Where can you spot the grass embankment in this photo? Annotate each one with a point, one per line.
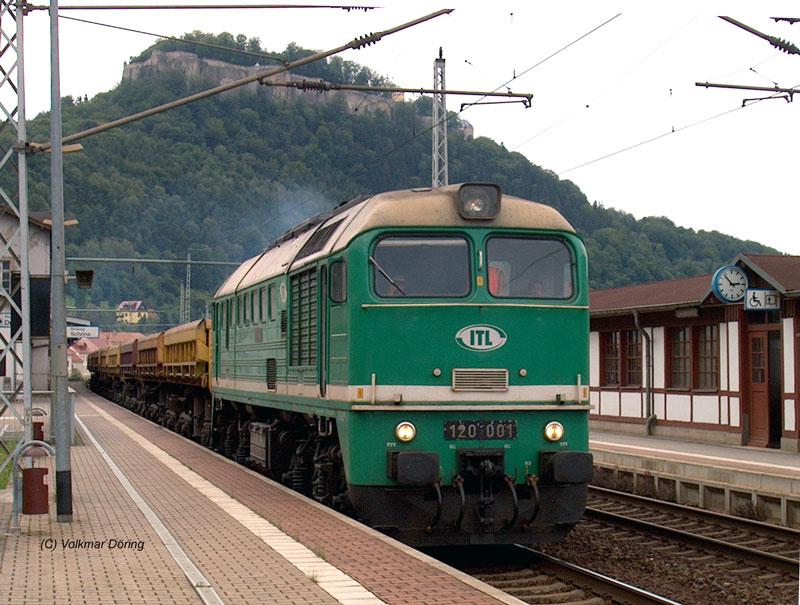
(5, 475)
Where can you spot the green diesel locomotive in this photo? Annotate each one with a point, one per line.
(419, 357)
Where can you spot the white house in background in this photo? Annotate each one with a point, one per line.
(720, 372)
(39, 231)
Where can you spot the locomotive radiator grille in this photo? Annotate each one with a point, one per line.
(480, 379)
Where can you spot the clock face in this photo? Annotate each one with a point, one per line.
(730, 283)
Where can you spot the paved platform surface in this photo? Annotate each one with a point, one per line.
(159, 519)
(771, 461)
(762, 460)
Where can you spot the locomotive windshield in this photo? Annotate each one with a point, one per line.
(421, 266)
(529, 268)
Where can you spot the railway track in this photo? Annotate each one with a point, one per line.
(759, 544)
(537, 578)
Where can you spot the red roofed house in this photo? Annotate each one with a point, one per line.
(134, 312)
(80, 349)
(724, 372)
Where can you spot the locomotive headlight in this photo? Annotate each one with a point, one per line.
(405, 432)
(554, 431)
(479, 201)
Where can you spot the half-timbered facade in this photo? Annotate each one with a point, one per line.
(671, 358)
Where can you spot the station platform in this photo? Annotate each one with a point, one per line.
(160, 519)
(751, 482)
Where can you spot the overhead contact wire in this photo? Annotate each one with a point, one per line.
(357, 43)
(346, 7)
(664, 134)
(181, 40)
(516, 77)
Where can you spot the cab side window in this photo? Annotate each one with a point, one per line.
(338, 279)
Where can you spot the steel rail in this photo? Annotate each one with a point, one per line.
(780, 532)
(752, 555)
(620, 592)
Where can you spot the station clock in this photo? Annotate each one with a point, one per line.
(729, 283)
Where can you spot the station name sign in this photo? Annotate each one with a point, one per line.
(762, 300)
(83, 332)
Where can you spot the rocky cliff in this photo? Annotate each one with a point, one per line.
(216, 72)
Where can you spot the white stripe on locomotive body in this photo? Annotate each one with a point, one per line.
(484, 305)
(362, 394)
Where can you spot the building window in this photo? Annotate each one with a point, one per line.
(708, 357)
(680, 358)
(633, 358)
(611, 358)
(694, 357)
(621, 358)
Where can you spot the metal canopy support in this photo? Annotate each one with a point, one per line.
(14, 249)
(439, 153)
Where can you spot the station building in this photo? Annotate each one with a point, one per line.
(39, 265)
(39, 234)
(672, 359)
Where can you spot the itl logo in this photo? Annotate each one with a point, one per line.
(481, 338)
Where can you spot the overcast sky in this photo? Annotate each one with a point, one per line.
(630, 81)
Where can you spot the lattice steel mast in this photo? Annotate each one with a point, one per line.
(187, 309)
(439, 152)
(14, 160)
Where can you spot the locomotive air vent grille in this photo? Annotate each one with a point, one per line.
(272, 373)
(480, 379)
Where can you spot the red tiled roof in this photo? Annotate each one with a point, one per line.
(783, 271)
(131, 305)
(85, 345)
(674, 292)
(40, 219)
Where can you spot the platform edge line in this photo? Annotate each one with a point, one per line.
(196, 578)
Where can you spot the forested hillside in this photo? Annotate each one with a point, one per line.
(223, 177)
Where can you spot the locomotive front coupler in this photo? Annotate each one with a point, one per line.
(484, 467)
(488, 471)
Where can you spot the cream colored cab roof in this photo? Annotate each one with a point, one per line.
(406, 208)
